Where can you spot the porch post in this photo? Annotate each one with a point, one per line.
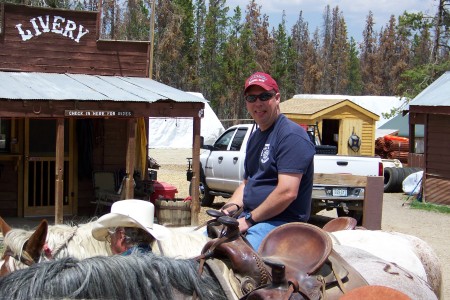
(59, 171)
(131, 153)
(195, 208)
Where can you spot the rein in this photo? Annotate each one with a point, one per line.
(58, 248)
(24, 257)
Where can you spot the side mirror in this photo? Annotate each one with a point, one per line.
(203, 146)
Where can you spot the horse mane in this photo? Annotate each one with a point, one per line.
(137, 276)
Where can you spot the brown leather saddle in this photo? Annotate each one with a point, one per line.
(340, 223)
(310, 266)
(294, 261)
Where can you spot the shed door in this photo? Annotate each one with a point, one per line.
(349, 127)
(39, 168)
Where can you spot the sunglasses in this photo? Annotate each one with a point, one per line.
(263, 97)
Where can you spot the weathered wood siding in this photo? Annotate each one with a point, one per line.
(437, 183)
(8, 184)
(62, 41)
(416, 160)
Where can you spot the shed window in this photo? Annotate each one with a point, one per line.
(5, 134)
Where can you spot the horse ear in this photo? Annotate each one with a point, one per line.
(4, 227)
(35, 244)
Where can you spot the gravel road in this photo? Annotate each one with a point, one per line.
(434, 228)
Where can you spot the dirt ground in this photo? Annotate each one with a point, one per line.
(396, 216)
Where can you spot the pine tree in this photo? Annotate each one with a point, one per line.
(370, 71)
(279, 64)
(326, 51)
(199, 33)
(313, 66)
(339, 55)
(216, 24)
(354, 86)
(298, 58)
(167, 43)
(260, 41)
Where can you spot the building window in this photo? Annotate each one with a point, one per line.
(5, 134)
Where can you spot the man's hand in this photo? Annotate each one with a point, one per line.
(244, 225)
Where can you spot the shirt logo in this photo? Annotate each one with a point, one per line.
(265, 153)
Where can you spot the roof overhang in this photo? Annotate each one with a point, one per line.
(25, 94)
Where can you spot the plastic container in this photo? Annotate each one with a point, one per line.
(163, 190)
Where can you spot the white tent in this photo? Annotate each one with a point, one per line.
(177, 132)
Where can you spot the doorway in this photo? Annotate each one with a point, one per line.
(330, 132)
(39, 168)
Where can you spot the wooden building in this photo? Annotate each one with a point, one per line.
(71, 104)
(337, 120)
(431, 108)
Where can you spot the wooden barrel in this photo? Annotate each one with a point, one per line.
(173, 212)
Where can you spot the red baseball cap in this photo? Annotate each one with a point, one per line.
(263, 80)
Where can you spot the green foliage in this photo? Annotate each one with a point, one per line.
(444, 209)
(416, 80)
(354, 86)
(200, 46)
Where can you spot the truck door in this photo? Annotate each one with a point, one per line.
(234, 165)
(215, 163)
(224, 164)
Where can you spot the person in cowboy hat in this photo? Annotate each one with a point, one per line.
(129, 227)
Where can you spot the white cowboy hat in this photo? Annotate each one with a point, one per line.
(130, 213)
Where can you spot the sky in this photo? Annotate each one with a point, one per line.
(354, 11)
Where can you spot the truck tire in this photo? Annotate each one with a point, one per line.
(390, 180)
(205, 198)
(393, 178)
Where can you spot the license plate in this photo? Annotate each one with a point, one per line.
(339, 192)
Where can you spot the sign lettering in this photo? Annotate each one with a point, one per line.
(55, 24)
(97, 113)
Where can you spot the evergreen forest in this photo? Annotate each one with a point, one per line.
(211, 48)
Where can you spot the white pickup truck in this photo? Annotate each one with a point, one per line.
(222, 170)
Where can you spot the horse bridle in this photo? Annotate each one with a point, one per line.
(25, 258)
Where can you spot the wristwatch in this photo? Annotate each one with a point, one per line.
(248, 217)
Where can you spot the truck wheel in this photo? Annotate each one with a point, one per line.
(205, 198)
(356, 214)
(390, 180)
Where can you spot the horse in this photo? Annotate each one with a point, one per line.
(63, 240)
(158, 277)
(413, 254)
(408, 251)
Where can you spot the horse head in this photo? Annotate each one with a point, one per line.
(29, 252)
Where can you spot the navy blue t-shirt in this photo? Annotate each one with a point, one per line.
(283, 148)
